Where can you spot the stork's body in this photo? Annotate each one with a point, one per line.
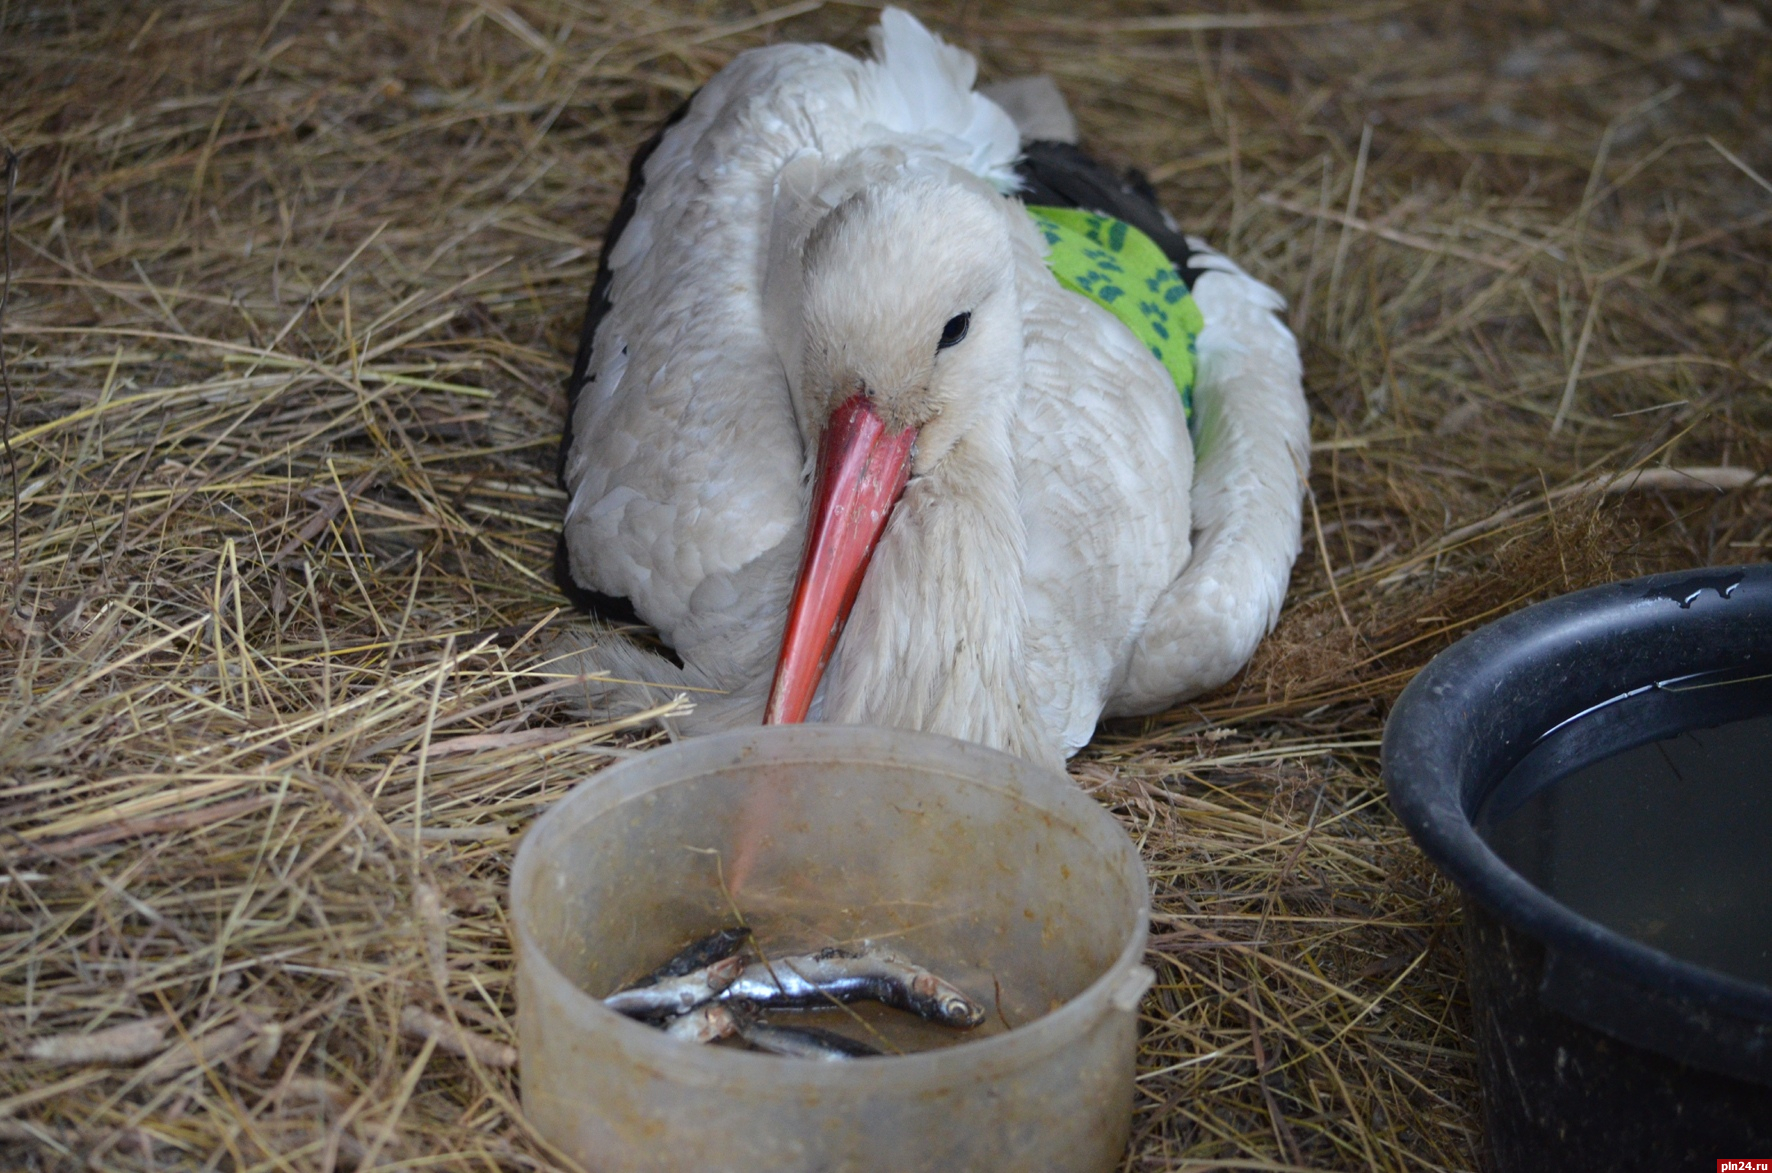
(806, 241)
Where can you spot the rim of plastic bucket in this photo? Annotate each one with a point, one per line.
(1473, 713)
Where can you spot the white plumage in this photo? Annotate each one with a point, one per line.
(804, 236)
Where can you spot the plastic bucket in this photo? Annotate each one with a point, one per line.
(995, 873)
(1595, 1050)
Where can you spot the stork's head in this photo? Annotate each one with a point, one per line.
(911, 335)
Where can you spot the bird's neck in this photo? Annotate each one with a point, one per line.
(936, 637)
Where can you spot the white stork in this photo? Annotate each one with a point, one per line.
(841, 437)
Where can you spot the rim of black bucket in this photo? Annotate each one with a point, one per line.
(1476, 710)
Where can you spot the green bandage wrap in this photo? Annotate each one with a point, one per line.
(1122, 270)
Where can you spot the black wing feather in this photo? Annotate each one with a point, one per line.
(610, 608)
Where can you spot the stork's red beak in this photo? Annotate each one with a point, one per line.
(862, 470)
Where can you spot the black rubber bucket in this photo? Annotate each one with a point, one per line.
(1596, 1050)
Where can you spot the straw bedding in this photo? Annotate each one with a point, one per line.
(293, 287)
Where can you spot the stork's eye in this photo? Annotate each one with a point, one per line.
(954, 331)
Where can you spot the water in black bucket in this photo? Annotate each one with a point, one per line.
(1595, 772)
(1668, 842)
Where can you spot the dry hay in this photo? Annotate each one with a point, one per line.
(294, 289)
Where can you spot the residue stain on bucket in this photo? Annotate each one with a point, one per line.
(1666, 843)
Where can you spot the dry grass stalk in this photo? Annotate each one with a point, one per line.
(293, 289)
(422, 1025)
(123, 1043)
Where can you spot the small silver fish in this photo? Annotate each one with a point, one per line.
(841, 976)
(698, 954)
(678, 995)
(803, 1042)
(707, 1023)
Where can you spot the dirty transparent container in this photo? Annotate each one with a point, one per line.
(997, 874)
